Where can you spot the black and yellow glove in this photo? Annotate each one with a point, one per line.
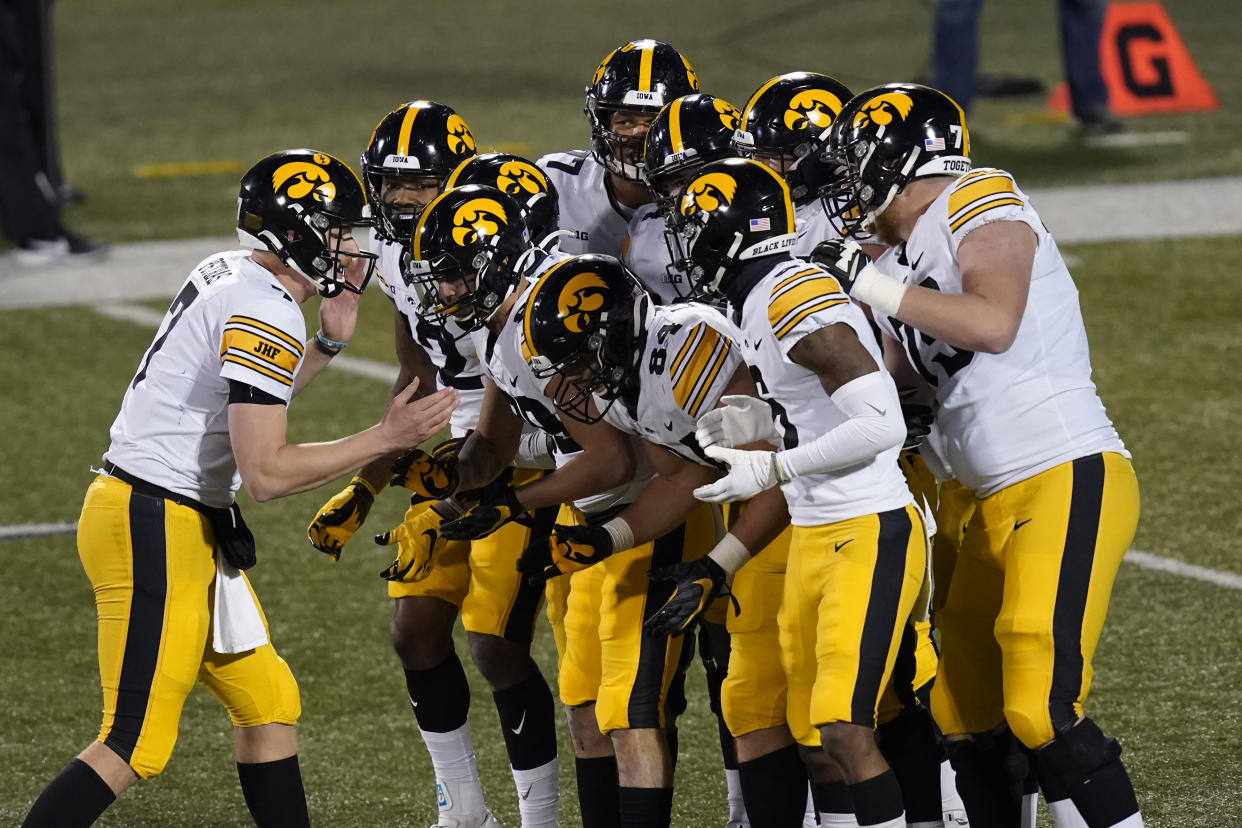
(695, 585)
(418, 540)
(566, 549)
(340, 517)
(428, 476)
(496, 508)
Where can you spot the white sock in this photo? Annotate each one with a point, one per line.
(738, 817)
(1065, 814)
(841, 820)
(808, 819)
(539, 795)
(458, 790)
(951, 804)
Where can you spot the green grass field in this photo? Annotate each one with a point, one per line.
(145, 82)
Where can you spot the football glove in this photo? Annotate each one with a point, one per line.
(739, 421)
(750, 472)
(497, 508)
(566, 549)
(695, 586)
(340, 517)
(428, 476)
(919, 418)
(417, 539)
(843, 260)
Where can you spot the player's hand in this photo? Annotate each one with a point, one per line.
(568, 549)
(497, 508)
(843, 260)
(695, 586)
(739, 421)
(429, 476)
(417, 539)
(918, 416)
(340, 517)
(750, 472)
(408, 421)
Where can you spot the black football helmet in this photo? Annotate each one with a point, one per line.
(419, 139)
(518, 178)
(472, 237)
(642, 76)
(888, 136)
(689, 132)
(584, 330)
(732, 211)
(300, 204)
(785, 121)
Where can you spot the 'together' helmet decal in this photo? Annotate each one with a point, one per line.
(582, 296)
(884, 109)
(460, 141)
(707, 193)
(480, 216)
(298, 179)
(813, 108)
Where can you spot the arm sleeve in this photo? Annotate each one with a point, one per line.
(874, 425)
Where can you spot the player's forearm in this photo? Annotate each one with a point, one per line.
(764, 517)
(664, 503)
(290, 469)
(963, 320)
(313, 362)
(583, 476)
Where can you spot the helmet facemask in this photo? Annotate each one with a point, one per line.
(487, 282)
(621, 155)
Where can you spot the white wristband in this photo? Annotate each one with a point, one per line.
(729, 553)
(621, 533)
(880, 291)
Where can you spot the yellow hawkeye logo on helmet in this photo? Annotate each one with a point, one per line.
(517, 176)
(708, 193)
(813, 108)
(729, 116)
(460, 141)
(477, 217)
(298, 179)
(582, 296)
(881, 109)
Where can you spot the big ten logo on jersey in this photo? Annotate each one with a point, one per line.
(212, 270)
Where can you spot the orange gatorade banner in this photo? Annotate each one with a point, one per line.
(1145, 65)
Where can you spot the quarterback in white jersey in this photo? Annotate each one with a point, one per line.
(159, 536)
(979, 301)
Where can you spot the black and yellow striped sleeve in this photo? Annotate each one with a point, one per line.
(979, 194)
(701, 363)
(260, 348)
(796, 297)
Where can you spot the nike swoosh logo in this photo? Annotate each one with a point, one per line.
(837, 548)
(915, 264)
(517, 731)
(669, 425)
(881, 411)
(1019, 524)
(526, 795)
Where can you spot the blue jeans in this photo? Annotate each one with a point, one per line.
(955, 51)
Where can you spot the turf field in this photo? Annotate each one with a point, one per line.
(149, 83)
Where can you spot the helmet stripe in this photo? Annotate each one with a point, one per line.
(755, 98)
(674, 126)
(526, 316)
(644, 67)
(416, 252)
(407, 126)
(789, 214)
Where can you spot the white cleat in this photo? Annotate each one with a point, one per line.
(488, 820)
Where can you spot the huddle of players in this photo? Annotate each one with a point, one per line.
(601, 416)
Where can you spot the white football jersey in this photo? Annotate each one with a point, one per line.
(593, 221)
(792, 299)
(813, 227)
(647, 254)
(690, 355)
(447, 346)
(231, 320)
(506, 366)
(1003, 417)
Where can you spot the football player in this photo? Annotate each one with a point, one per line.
(782, 125)
(498, 613)
(816, 361)
(601, 189)
(455, 228)
(160, 534)
(976, 296)
(686, 134)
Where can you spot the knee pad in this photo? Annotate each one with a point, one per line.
(1076, 753)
